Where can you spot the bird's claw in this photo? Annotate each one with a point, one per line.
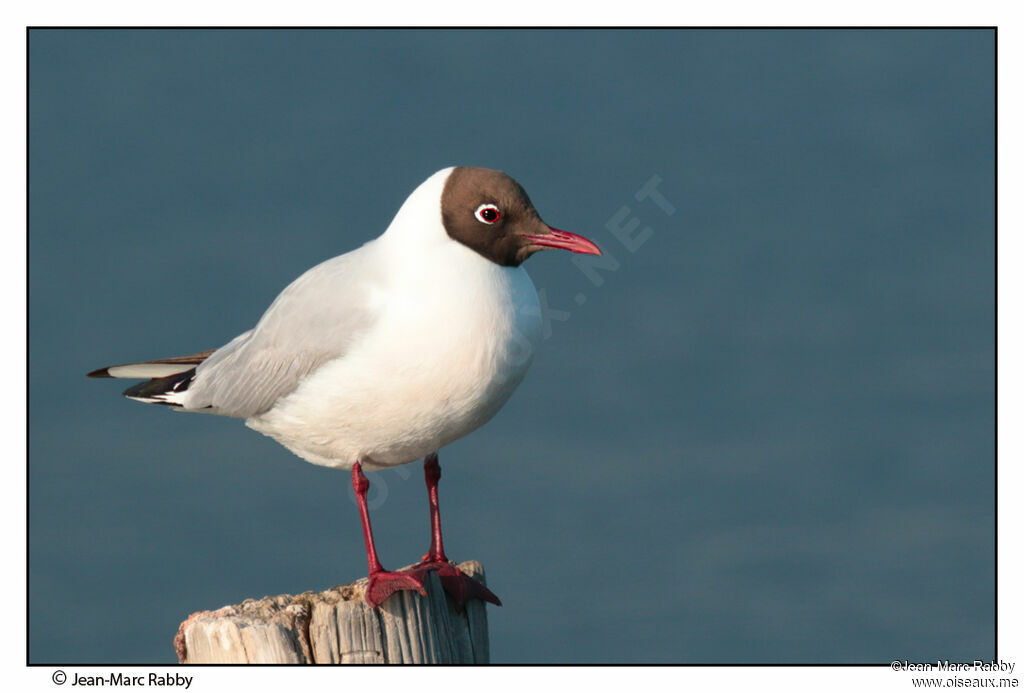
(383, 584)
(459, 586)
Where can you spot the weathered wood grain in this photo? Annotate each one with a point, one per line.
(337, 627)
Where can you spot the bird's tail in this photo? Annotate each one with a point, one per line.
(166, 379)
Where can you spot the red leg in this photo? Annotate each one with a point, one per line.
(432, 474)
(382, 583)
(456, 583)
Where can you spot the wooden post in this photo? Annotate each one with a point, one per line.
(336, 626)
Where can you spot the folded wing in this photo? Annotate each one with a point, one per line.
(314, 320)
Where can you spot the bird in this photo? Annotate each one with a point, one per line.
(385, 354)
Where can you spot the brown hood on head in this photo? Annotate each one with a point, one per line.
(490, 213)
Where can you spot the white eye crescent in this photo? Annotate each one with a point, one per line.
(487, 213)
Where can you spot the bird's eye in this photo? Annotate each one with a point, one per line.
(487, 213)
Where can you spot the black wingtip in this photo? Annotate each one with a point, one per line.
(178, 382)
(99, 373)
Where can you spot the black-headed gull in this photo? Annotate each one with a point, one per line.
(387, 353)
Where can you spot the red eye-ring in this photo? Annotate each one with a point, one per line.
(487, 213)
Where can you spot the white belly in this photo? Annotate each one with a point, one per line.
(439, 364)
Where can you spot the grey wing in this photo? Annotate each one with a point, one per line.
(313, 321)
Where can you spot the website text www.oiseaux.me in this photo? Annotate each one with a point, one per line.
(967, 674)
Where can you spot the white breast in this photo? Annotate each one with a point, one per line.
(454, 338)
